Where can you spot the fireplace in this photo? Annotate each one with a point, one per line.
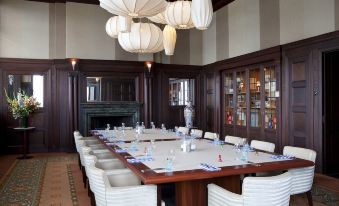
(95, 115)
(100, 122)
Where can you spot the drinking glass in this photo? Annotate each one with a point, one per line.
(169, 160)
(216, 138)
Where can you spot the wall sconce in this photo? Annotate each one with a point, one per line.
(148, 64)
(73, 62)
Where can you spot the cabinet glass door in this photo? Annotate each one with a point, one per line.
(270, 98)
(255, 98)
(228, 90)
(241, 98)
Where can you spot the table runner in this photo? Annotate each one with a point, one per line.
(206, 152)
(130, 135)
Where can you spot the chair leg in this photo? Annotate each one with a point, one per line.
(88, 189)
(309, 198)
(92, 199)
(79, 161)
(83, 176)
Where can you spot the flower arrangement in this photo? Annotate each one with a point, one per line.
(22, 105)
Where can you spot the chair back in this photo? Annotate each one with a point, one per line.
(81, 144)
(261, 145)
(234, 140)
(209, 135)
(267, 191)
(302, 153)
(98, 181)
(197, 133)
(183, 130)
(302, 178)
(77, 136)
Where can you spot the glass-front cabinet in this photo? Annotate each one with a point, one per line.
(270, 98)
(251, 101)
(229, 95)
(241, 98)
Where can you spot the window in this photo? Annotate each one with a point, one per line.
(181, 91)
(32, 85)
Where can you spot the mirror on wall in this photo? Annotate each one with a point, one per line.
(181, 91)
(32, 85)
(110, 89)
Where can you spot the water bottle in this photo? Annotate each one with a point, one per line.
(244, 153)
(142, 127)
(163, 128)
(152, 125)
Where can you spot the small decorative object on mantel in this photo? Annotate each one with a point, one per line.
(22, 106)
(189, 114)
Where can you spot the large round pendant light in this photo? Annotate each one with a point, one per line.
(170, 38)
(178, 14)
(112, 27)
(202, 13)
(143, 38)
(159, 18)
(134, 8)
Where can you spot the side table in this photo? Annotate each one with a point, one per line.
(25, 131)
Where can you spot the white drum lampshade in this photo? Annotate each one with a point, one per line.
(202, 13)
(134, 8)
(143, 38)
(159, 18)
(170, 38)
(178, 14)
(124, 23)
(112, 27)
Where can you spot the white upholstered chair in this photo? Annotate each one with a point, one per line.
(302, 178)
(183, 130)
(105, 164)
(197, 133)
(261, 145)
(120, 187)
(234, 140)
(256, 191)
(99, 150)
(209, 135)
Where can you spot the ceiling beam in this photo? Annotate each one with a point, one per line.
(217, 4)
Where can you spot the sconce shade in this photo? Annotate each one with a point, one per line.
(134, 8)
(202, 13)
(112, 27)
(178, 14)
(170, 38)
(143, 38)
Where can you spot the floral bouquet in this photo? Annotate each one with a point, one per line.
(22, 106)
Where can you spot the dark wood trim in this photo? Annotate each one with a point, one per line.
(217, 4)
(266, 55)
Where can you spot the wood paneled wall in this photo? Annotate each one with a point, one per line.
(174, 115)
(65, 90)
(300, 85)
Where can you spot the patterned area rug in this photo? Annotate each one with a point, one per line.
(47, 179)
(23, 184)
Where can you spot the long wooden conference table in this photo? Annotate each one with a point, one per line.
(189, 178)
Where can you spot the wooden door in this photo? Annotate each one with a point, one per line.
(297, 95)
